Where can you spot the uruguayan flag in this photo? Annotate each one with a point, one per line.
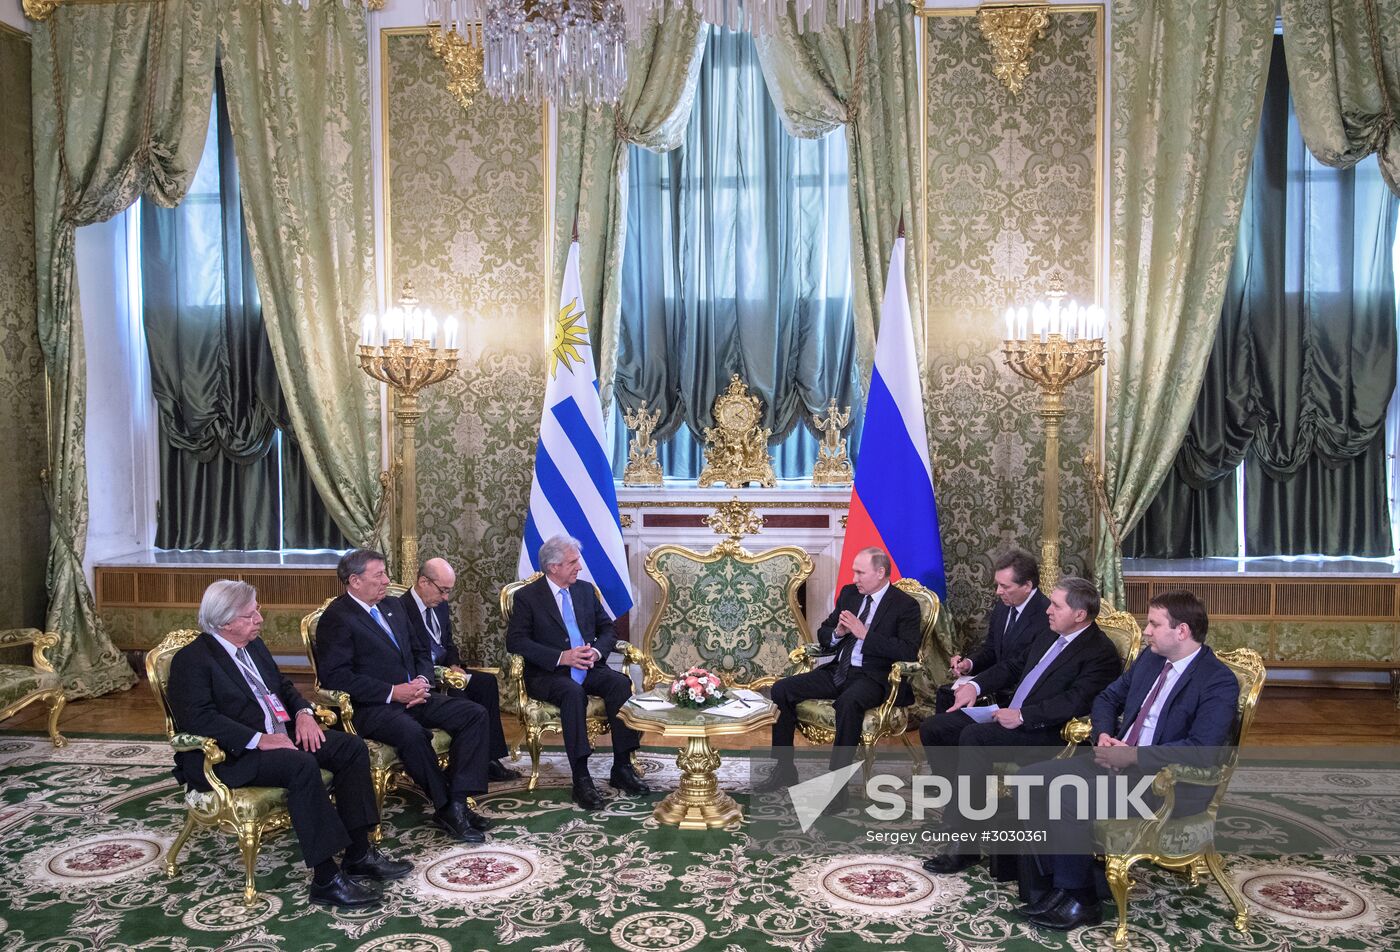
(572, 493)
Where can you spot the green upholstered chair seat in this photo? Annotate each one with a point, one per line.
(542, 713)
(384, 757)
(248, 801)
(729, 612)
(18, 681)
(823, 714)
(1179, 836)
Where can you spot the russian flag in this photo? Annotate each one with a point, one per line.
(892, 504)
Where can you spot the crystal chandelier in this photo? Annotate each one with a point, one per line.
(575, 51)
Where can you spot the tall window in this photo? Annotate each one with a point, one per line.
(231, 474)
(1286, 452)
(737, 261)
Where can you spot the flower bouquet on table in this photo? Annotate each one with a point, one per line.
(698, 688)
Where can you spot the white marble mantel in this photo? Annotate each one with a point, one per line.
(795, 514)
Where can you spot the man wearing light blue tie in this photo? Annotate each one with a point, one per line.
(365, 648)
(559, 627)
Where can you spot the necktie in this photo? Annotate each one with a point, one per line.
(434, 634)
(1134, 732)
(1027, 684)
(843, 661)
(250, 674)
(1012, 617)
(566, 608)
(374, 613)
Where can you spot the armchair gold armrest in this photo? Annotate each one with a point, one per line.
(340, 700)
(41, 641)
(803, 656)
(1075, 732)
(213, 756)
(899, 670)
(453, 679)
(324, 715)
(631, 653)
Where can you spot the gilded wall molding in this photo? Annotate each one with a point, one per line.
(461, 60)
(1012, 30)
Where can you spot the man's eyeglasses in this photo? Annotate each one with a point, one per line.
(444, 592)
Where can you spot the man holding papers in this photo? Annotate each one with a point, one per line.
(1055, 681)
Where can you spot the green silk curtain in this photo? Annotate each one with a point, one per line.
(1344, 61)
(864, 77)
(298, 97)
(1182, 140)
(121, 105)
(1302, 370)
(736, 262)
(592, 161)
(213, 377)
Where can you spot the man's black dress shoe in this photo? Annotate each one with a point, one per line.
(1043, 903)
(497, 772)
(475, 820)
(375, 865)
(586, 795)
(780, 777)
(453, 818)
(1069, 914)
(946, 863)
(344, 892)
(624, 777)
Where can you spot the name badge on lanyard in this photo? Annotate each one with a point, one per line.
(278, 710)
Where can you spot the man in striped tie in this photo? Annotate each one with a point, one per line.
(1175, 704)
(558, 625)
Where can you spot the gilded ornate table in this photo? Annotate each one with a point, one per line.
(697, 803)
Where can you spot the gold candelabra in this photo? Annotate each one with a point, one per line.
(406, 349)
(1053, 345)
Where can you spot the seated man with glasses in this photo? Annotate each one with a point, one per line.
(430, 619)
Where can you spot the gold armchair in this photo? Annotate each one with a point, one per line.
(385, 768)
(817, 719)
(21, 685)
(1184, 844)
(249, 813)
(733, 613)
(538, 717)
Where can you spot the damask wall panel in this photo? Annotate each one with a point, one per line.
(466, 215)
(24, 517)
(1012, 186)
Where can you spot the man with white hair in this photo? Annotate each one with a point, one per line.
(225, 685)
(559, 627)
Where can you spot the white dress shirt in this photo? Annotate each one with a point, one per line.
(1149, 722)
(858, 652)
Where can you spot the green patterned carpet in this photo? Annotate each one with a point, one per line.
(84, 830)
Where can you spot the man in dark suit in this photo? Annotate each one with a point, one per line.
(430, 619)
(559, 626)
(1176, 703)
(872, 626)
(1013, 625)
(225, 685)
(1054, 681)
(364, 646)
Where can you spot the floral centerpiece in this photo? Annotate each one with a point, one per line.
(698, 688)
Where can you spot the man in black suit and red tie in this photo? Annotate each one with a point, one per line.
(225, 685)
(430, 618)
(364, 646)
(559, 626)
(1053, 682)
(1013, 625)
(1177, 703)
(872, 626)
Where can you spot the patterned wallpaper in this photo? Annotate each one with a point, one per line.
(1011, 198)
(467, 215)
(24, 520)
